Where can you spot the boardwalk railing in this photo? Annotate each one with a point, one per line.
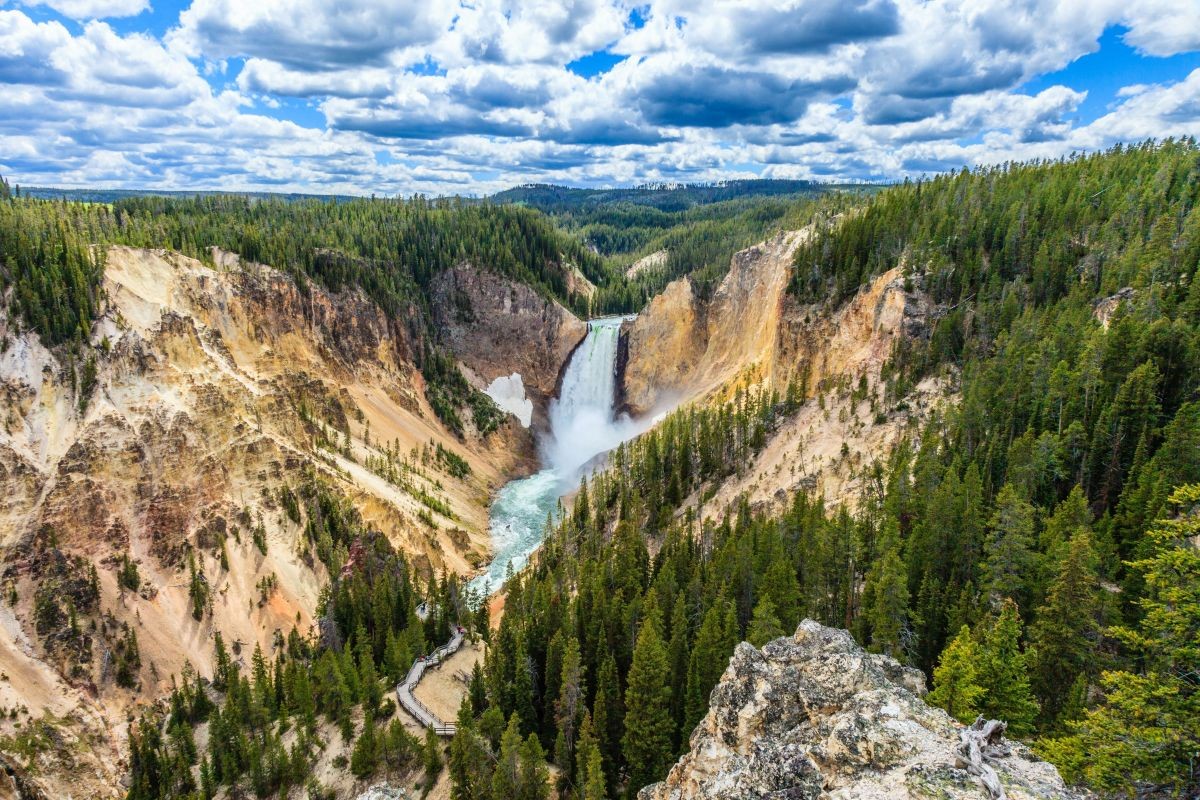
(404, 691)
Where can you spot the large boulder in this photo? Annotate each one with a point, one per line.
(814, 715)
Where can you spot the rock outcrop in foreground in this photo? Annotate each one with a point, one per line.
(814, 715)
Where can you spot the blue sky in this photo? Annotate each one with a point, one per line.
(406, 96)
(1111, 67)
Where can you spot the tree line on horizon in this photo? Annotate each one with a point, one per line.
(52, 256)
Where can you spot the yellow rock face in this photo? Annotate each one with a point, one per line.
(215, 389)
(752, 333)
(682, 347)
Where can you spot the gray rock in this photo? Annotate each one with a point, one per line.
(815, 715)
(383, 791)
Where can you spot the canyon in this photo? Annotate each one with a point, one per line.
(222, 383)
(220, 389)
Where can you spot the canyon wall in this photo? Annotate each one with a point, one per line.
(752, 333)
(496, 327)
(683, 346)
(210, 395)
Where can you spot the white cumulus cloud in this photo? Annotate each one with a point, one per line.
(94, 9)
(443, 95)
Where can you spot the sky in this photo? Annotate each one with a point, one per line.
(406, 96)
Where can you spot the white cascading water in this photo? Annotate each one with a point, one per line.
(582, 425)
(581, 417)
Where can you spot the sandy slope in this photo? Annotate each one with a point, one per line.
(194, 427)
(443, 687)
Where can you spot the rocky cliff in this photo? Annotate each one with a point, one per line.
(752, 333)
(209, 394)
(814, 715)
(834, 358)
(496, 327)
(683, 346)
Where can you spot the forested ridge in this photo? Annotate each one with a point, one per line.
(1031, 549)
(391, 249)
(52, 259)
(554, 199)
(698, 242)
(697, 229)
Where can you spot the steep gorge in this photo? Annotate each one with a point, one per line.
(752, 333)
(216, 392)
(220, 388)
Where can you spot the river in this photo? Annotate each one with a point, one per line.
(583, 424)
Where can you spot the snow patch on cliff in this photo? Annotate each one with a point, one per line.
(508, 392)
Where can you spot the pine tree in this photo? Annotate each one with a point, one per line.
(677, 658)
(886, 600)
(364, 758)
(955, 682)
(127, 575)
(372, 692)
(593, 786)
(534, 776)
(764, 625)
(710, 656)
(647, 740)
(608, 721)
(1067, 628)
(1144, 731)
(197, 588)
(432, 758)
(523, 689)
(263, 687)
(583, 749)
(780, 584)
(302, 704)
(507, 776)
(1003, 674)
(569, 707)
(208, 788)
(477, 690)
(1010, 561)
(468, 760)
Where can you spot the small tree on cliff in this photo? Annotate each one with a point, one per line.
(955, 681)
(647, 741)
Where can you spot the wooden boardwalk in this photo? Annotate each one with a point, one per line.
(404, 690)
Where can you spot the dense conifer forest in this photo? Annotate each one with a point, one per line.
(558, 200)
(1029, 549)
(392, 249)
(52, 259)
(698, 228)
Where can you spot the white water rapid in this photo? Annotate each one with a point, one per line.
(582, 425)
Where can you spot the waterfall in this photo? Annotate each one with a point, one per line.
(583, 424)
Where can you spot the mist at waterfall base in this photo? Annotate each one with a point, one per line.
(582, 426)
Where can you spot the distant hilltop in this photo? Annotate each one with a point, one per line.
(551, 198)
